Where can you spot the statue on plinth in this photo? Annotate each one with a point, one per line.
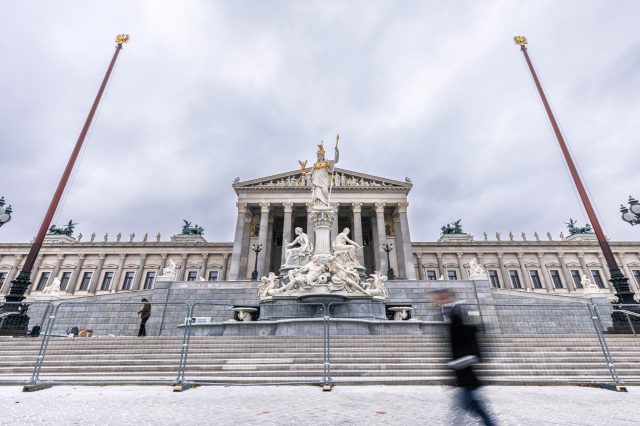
(53, 288)
(344, 249)
(476, 271)
(296, 256)
(320, 176)
(170, 270)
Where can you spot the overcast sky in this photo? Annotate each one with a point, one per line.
(207, 91)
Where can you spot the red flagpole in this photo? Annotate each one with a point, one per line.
(619, 281)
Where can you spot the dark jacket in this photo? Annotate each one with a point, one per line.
(463, 343)
(145, 312)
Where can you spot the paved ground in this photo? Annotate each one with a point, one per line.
(287, 405)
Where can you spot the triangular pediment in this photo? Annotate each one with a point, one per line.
(343, 180)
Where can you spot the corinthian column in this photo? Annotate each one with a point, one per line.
(236, 252)
(96, 275)
(406, 241)
(310, 234)
(357, 230)
(382, 238)
(286, 229)
(262, 236)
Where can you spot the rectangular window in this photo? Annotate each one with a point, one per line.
(64, 282)
(636, 275)
(515, 279)
(106, 281)
(555, 277)
(128, 280)
(192, 276)
(148, 280)
(213, 275)
(452, 275)
(494, 278)
(431, 275)
(575, 275)
(44, 277)
(535, 279)
(86, 279)
(3, 276)
(597, 278)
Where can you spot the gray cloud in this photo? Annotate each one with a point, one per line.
(207, 91)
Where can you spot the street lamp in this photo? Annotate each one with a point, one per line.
(5, 212)
(257, 248)
(632, 213)
(388, 247)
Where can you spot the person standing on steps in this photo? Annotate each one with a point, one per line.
(145, 313)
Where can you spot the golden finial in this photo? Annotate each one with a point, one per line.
(337, 137)
(303, 166)
(520, 40)
(121, 39)
(320, 149)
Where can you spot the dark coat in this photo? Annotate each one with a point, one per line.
(145, 312)
(464, 342)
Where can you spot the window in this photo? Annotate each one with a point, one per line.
(555, 277)
(106, 281)
(148, 280)
(213, 275)
(128, 280)
(192, 276)
(576, 278)
(515, 279)
(597, 278)
(44, 277)
(452, 275)
(3, 276)
(431, 275)
(535, 279)
(636, 275)
(66, 276)
(493, 277)
(86, 279)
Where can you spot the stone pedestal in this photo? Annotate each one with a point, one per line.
(354, 307)
(456, 238)
(187, 239)
(322, 218)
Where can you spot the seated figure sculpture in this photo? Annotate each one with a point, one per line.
(312, 273)
(344, 249)
(269, 285)
(344, 277)
(296, 256)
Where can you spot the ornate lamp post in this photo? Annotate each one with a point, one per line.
(5, 212)
(618, 280)
(257, 248)
(632, 213)
(17, 321)
(387, 248)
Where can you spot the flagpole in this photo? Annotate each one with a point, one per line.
(618, 280)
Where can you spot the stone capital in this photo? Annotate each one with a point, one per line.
(580, 254)
(459, 254)
(520, 255)
(163, 255)
(242, 207)
(264, 207)
(540, 254)
(101, 256)
(80, 256)
(184, 256)
(309, 206)
(205, 255)
(560, 254)
(402, 206)
(225, 256)
(356, 207)
(379, 207)
(500, 254)
(621, 254)
(19, 256)
(123, 256)
(60, 256)
(288, 207)
(335, 206)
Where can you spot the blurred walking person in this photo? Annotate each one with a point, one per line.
(145, 313)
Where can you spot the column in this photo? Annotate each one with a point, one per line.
(262, 237)
(420, 268)
(93, 286)
(334, 225)
(526, 278)
(399, 248)
(375, 240)
(245, 268)
(115, 284)
(268, 247)
(357, 230)
(223, 272)
(236, 252)
(504, 272)
(627, 271)
(382, 238)
(406, 240)
(203, 268)
(310, 233)
(56, 269)
(607, 274)
(545, 277)
(34, 272)
(163, 263)
(463, 271)
(12, 273)
(583, 265)
(137, 281)
(440, 266)
(567, 276)
(183, 268)
(286, 230)
(76, 275)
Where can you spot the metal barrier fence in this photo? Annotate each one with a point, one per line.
(321, 342)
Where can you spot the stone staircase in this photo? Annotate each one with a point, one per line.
(509, 359)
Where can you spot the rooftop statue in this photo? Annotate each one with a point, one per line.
(67, 230)
(453, 228)
(320, 175)
(574, 230)
(187, 229)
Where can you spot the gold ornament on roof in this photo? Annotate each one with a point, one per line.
(303, 166)
(121, 39)
(520, 40)
(320, 149)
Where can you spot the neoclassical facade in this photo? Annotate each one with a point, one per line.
(375, 210)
